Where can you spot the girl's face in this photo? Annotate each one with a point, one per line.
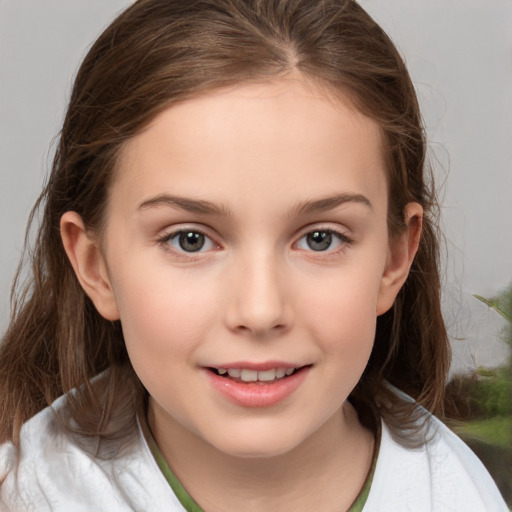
(246, 239)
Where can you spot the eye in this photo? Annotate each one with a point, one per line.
(321, 240)
(189, 241)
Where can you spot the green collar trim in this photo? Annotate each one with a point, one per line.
(183, 496)
(191, 506)
(360, 501)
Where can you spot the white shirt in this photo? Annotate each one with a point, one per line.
(56, 475)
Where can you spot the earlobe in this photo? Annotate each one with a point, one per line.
(402, 250)
(84, 253)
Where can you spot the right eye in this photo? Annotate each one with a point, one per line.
(188, 241)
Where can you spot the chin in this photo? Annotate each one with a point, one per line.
(258, 442)
(251, 450)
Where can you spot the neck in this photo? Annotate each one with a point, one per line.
(325, 472)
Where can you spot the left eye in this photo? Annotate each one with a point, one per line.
(321, 240)
(189, 241)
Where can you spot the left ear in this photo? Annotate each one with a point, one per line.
(401, 252)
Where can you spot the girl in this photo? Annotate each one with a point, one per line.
(235, 289)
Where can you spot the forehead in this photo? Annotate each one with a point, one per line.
(243, 139)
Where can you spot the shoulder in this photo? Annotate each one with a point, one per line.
(441, 475)
(54, 472)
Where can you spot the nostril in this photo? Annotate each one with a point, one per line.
(262, 331)
(259, 314)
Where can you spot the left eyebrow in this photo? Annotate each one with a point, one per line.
(329, 203)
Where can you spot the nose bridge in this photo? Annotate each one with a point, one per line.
(260, 302)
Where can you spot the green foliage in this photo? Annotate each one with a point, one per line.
(498, 303)
(490, 390)
(494, 431)
(481, 394)
(502, 304)
(480, 406)
(493, 394)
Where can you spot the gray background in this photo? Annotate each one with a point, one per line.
(459, 55)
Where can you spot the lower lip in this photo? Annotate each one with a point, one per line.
(255, 394)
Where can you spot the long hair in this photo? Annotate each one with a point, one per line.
(161, 52)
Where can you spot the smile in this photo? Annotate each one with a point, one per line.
(255, 387)
(249, 375)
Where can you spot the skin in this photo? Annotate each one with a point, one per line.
(256, 291)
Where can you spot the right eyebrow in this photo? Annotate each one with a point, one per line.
(184, 203)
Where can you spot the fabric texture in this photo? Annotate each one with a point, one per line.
(56, 474)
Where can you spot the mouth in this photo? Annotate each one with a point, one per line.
(256, 385)
(247, 375)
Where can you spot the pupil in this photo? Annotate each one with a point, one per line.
(191, 242)
(319, 240)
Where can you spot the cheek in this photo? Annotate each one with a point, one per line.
(344, 326)
(160, 314)
(342, 313)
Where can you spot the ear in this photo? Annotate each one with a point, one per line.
(401, 252)
(88, 262)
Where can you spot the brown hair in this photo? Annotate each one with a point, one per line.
(157, 53)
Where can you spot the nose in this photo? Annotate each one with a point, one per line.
(259, 303)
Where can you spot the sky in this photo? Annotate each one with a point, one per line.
(459, 54)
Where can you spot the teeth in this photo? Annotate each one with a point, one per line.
(267, 375)
(247, 375)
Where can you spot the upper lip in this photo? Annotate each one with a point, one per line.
(256, 366)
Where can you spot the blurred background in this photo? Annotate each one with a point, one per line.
(460, 58)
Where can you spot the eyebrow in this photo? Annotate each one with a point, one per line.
(329, 203)
(208, 208)
(184, 203)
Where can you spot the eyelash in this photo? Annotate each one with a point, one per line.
(343, 240)
(164, 241)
